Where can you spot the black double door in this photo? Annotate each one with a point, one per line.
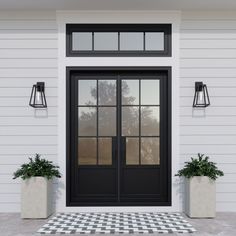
(118, 125)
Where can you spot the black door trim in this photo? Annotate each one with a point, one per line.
(69, 163)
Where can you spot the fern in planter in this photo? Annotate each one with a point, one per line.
(37, 167)
(200, 166)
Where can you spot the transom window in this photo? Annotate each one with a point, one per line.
(118, 40)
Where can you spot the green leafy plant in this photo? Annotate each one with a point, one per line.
(37, 167)
(200, 166)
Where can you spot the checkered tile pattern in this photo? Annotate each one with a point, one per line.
(116, 223)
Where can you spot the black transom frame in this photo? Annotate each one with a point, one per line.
(164, 28)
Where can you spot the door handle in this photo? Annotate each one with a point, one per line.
(114, 149)
(123, 149)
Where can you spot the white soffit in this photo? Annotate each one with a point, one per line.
(118, 5)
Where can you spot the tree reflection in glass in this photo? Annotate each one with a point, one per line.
(106, 92)
(86, 96)
(130, 121)
(87, 121)
(149, 121)
(107, 121)
(105, 95)
(150, 151)
(130, 92)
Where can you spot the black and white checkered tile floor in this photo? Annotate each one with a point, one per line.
(115, 223)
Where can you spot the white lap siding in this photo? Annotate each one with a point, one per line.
(208, 53)
(28, 53)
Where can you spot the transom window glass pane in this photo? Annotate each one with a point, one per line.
(131, 41)
(150, 92)
(154, 41)
(87, 121)
(130, 92)
(107, 92)
(106, 41)
(82, 41)
(87, 92)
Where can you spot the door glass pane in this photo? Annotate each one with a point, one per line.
(150, 121)
(107, 92)
(130, 92)
(130, 121)
(107, 121)
(87, 121)
(150, 151)
(82, 41)
(154, 41)
(87, 151)
(132, 151)
(105, 151)
(106, 41)
(150, 92)
(87, 92)
(131, 41)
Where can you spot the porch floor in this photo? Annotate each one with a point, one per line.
(224, 225)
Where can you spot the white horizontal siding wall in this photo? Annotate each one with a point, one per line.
(28, 53)
(208, 53)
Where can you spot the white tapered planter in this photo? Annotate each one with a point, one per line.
(200, 195)
(36, 198)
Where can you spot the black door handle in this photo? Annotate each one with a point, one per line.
(123, 150)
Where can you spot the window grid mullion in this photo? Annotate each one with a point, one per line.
(118, 41)
(97, 122)
(139, 121)
(144, 41)
(93, 41)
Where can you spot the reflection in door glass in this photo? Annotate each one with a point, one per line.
(130, 92)
(105, 151)
(106, 92)
(87, 92)
(150, 121)
(150, 92)
(87, 151)
(87, 121)
(107, 121)
(130, 121)
(132, 151)
(150, 151)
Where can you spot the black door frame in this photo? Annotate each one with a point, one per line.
(69, 199)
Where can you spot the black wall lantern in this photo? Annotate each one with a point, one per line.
(37, 98)
(201, 97)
